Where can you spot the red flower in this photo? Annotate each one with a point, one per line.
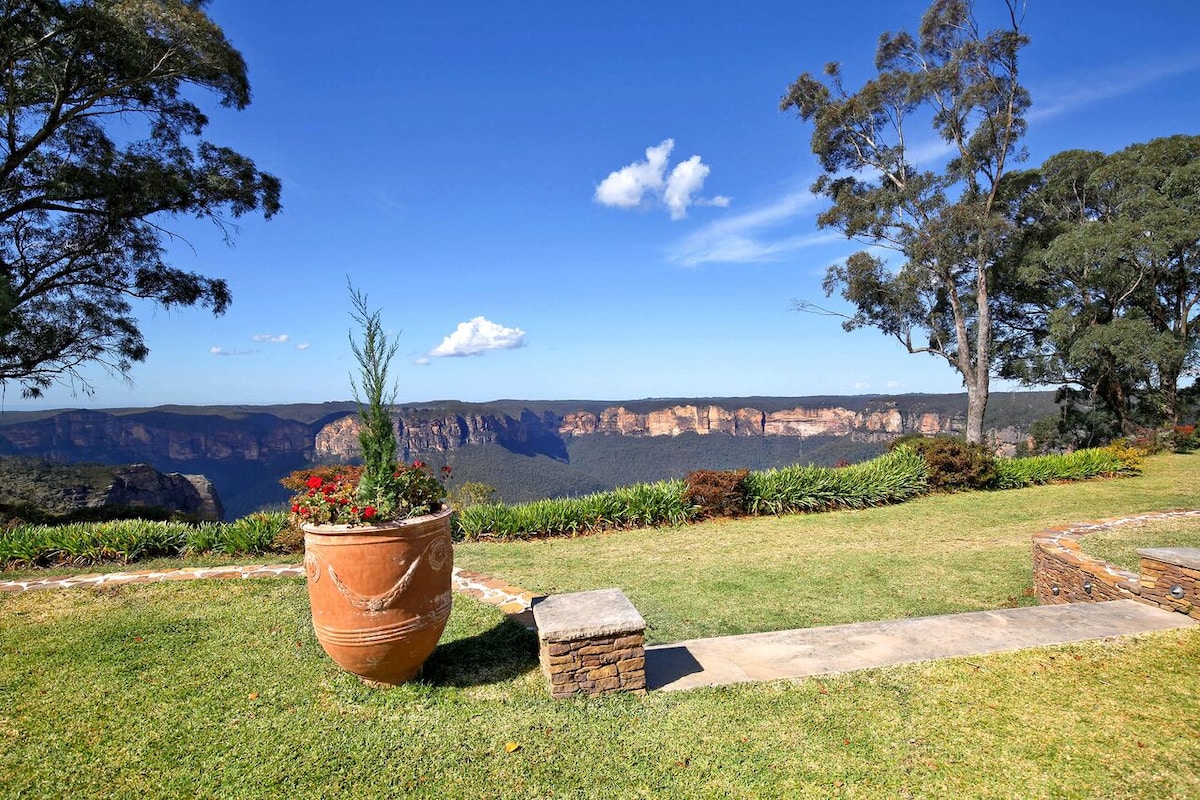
(304, 512)
(418, 465)
(314, 482)
(368, 512)
(328, 488)
(295, 508)
(353, 509)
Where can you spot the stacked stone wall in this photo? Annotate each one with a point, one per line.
(1063, 573)
(595, 666)
(1171, 579)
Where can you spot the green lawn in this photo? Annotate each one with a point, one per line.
(1119, 546)
(934, 555)
(219, 689)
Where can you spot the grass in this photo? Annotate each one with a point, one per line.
(936, 554)
(219, 689)
(1119, 546)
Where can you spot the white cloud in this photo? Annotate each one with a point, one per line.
(303, 346)
(626, 187)
(646, 181)
(1121, 79)
(862, 385)
(686, 179)
(475, 338)
(221, 351)
(893, 384)
(266, 337)
(754, 235)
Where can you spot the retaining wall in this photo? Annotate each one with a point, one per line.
(1063, 573)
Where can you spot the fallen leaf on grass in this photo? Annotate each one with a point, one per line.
(511, 747)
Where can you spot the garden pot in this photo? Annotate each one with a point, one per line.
(380, 594)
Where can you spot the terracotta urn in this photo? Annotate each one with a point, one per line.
(380, 594)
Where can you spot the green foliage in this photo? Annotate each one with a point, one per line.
(1185, 438)
(953, 463)
(892, 478)
(1105, 290)
(126, 541)
(947, 228)
(101, 150)
(375, 395)
(1117, 459)
(471, 493)
(334, 495)
(717, 494)
(639, 505)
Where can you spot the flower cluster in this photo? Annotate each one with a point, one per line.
(333, 495)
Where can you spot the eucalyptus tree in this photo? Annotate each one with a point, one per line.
(944, 226)
(100, 149)
(1107, 281)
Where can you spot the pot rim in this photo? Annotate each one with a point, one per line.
(369, 528)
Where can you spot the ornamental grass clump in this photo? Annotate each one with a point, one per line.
(1115, 459)
(129, 540)
(381, 490)
(641, 505)
(891, 478)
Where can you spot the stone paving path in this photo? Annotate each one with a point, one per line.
(864, 645)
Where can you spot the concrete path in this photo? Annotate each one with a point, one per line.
(842, 648)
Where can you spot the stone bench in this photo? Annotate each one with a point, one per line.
(591, 643)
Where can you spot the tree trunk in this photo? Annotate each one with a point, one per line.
(977, 399)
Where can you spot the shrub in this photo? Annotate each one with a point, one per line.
(953, 463)
(471, 493)
(717, 494)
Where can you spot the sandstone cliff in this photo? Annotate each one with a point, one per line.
(142, 486)
(872, 425)
(430, 433)
(61, 489)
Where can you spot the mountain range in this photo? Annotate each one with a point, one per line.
(526, 449)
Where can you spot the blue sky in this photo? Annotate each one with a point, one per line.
(556, 200)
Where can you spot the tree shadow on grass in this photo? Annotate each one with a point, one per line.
(498, 655)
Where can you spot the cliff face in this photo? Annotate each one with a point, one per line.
(60, 489)
(339, 439)
(142, 486)
(156, 436)
(528, 433)
(875, 425)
